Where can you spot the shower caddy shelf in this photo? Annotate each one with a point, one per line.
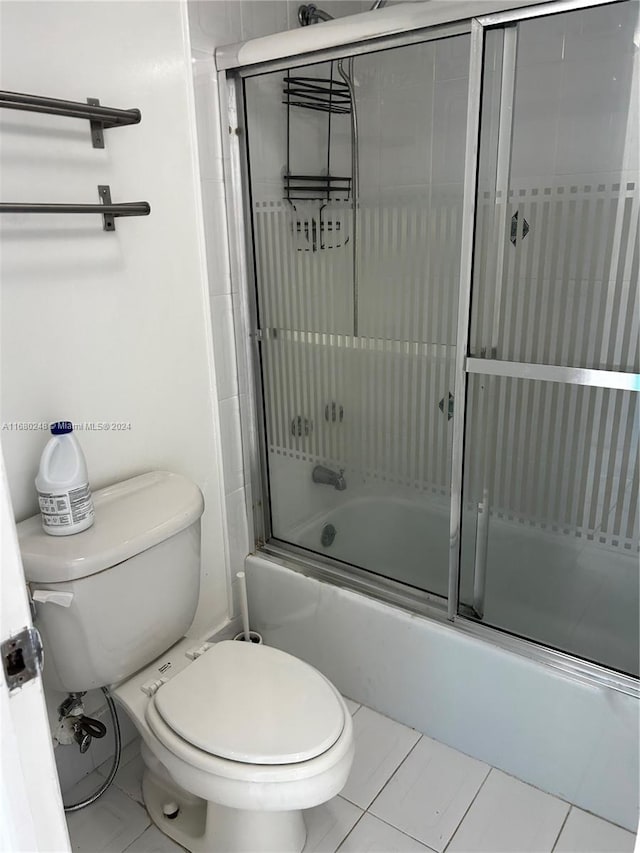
(333, 97)
(322, 95)
(99, 118)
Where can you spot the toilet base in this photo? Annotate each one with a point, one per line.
(205, 827)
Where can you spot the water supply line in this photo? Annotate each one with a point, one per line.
(74, 807)
(310, 14)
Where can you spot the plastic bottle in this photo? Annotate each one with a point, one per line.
(63, 484)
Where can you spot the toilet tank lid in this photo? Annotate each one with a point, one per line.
(130, 517)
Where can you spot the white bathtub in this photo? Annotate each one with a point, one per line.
(572, 739)
(407, 540)
(571, 594)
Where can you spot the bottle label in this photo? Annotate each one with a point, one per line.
(81, 503)
(62, 509)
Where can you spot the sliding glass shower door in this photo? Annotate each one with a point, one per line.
(480, 458)
(550, 543)
(356, 176)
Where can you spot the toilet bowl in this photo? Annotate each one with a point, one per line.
(238, 738)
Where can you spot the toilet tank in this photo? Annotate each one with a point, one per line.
(111, 599)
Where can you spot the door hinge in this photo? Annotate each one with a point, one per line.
(22, 658)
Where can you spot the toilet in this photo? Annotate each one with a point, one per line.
(237, 738)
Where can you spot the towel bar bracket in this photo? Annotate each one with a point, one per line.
(104, 192)
(96, 126)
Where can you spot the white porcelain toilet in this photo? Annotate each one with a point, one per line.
(238, 738)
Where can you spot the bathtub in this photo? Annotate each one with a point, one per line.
(571, 594)
(372, 531)
(573, 739)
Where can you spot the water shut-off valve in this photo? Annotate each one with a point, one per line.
(75, 726)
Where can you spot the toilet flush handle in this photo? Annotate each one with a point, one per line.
(49, 596)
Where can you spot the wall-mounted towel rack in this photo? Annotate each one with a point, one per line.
(99, 117)
(106, 209)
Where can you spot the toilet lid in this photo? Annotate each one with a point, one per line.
(252, 703)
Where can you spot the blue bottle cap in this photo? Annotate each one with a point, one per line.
(61, 428)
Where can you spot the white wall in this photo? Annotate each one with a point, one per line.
(109, 326)
(99, 326)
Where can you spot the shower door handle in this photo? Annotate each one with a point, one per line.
(513, 234)
(480, 556)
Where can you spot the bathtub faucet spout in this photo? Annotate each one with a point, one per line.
(327, 477)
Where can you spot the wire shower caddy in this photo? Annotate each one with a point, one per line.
(331, 96)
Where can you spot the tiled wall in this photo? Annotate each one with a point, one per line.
(411, 106)
(216, 22)
(572, 67)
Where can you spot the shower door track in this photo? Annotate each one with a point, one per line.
(444, 610)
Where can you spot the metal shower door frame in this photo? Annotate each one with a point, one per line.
(249, 336)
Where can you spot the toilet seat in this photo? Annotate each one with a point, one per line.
(250, 704)
(242, 785)
(214, 765)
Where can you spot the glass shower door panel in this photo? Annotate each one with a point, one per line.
(550, 540)
(357, 298)
(550, 515)
(556, 272)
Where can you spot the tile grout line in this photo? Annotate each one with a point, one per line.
(393, 773)
(133, 800)
(367, 809)
(396, 770)
(466, 812)
(138, 837)
(566, 818)
(350, 831)
(462, 819)
(403, 832)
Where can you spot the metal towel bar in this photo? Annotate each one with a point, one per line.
(106, 209)
(99, 116)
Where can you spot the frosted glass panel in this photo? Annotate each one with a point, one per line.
(550, 519)
(556, 265)
(357, 297)
(550, 542)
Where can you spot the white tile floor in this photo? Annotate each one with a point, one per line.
(406, 794)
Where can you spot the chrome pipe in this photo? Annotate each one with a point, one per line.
(347, 76)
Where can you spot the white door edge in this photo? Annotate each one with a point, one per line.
(31, 812)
